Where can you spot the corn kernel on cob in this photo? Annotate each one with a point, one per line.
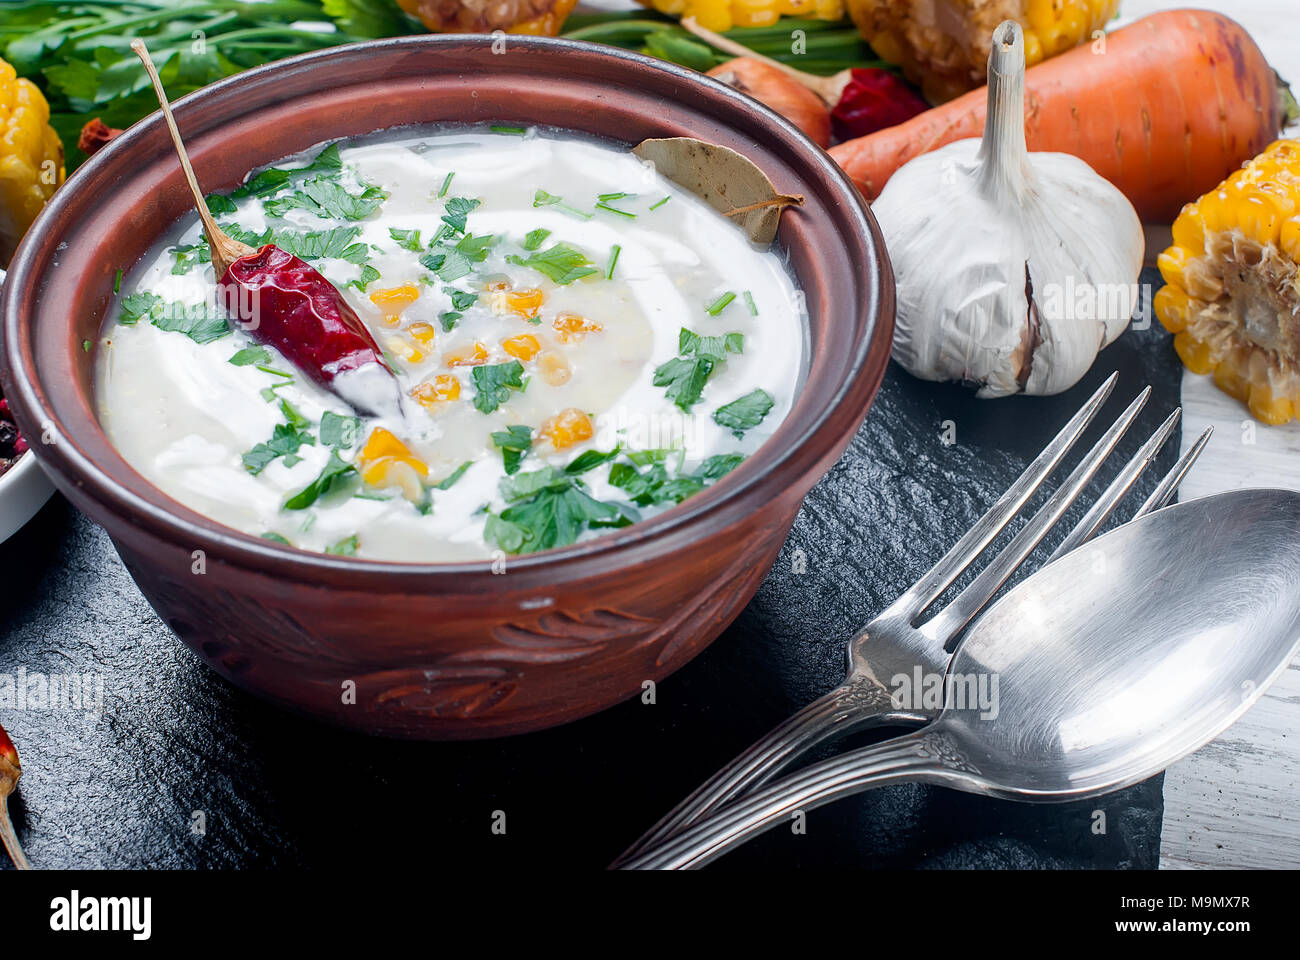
(948, 55)
(1232, 298)
(31, 157)
(718, 15)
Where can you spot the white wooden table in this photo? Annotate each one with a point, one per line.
(1236, 803)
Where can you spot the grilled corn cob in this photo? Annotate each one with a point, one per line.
(719, 15)
(31, 157)
(948, 55)
(1232, 298)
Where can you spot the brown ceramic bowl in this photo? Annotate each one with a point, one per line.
(442, 650)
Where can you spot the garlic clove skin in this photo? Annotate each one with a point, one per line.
(1013, 269)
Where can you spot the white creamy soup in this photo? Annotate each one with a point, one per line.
(579, 344)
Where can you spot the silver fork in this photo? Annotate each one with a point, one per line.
(898, 640)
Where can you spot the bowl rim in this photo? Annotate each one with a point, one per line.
(870, 354)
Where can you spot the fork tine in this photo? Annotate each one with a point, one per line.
(950, 566)
(954, 617)
(1166, 488)
(1100, 511)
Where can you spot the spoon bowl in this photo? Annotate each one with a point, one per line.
(1098, 671)
(1131, 652)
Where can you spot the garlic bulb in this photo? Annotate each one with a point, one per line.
(1014, 268)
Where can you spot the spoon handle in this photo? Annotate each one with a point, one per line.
(856, 704)
(926, 755)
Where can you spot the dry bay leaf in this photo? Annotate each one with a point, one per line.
(729, 182)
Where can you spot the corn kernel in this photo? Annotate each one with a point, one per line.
(566, 428)
(1194, 354)
(443, 388)
(1170, 305)
(394, 300)
(524, 346)
(571, 326)
(1172, 263)
(1268, 407)
(1289, 239)
(554, 368)
(524, 302)
(423, 333)
(468, 358)
(408, 352)
(1189, 229)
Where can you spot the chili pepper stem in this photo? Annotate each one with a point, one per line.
(9, 774)
(225, 250)
(830, 89)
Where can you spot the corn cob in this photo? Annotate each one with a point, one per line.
(1232, 298)
(31, 157)
(947, 56)
(719, 15)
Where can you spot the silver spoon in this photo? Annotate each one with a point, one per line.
(1112, 662)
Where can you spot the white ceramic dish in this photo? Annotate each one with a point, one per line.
(23, 490)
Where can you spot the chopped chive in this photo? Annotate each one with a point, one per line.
(749, 302)
(500, 129)
(272, 370)
(621, 213)
(656, 206)
(535, 319)
(610, 197)
(720, 304)
(614, 251)
(85, 345)
(117, 281)
(445, 184)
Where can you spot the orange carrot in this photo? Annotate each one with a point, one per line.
(1165, 111)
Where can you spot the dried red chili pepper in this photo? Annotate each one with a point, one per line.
(872, 100)
(94, 135)
(286, 303)
(10, 772)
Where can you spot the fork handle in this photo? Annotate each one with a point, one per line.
(920, 756)
(857, 703)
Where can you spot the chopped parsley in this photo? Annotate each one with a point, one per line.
(720, 304)
(548, 508)
(407, 239)
(329, 200)
(199, 322)
(654, 485)
(347, 547)
(749, 302)
(448, 319)
(272, 179)
(535, 238)
(458, 208)
(543, 199)
(339, 430)
(251, 357)
(137, 305)
(745, 413)
(686, 374)
(450, 480)
(285, 440)
(219, 203)
(494, 382)
(336, 471)
(276, 538)
(560, 261)
(461, 299)
(589, 460)
(514, 442)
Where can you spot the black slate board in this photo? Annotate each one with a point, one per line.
(121, 789)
